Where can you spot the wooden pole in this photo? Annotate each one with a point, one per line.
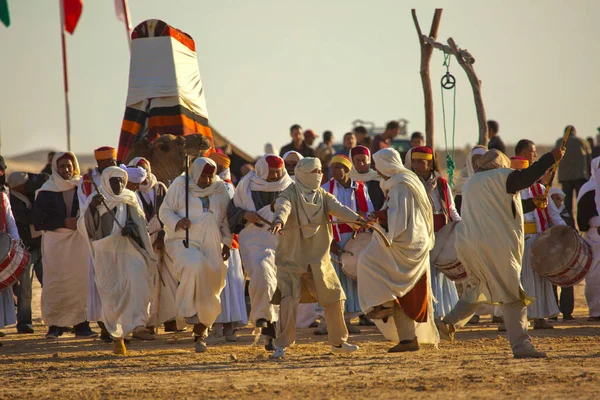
(65, 74)
(127, 23)
(426, 52)
(467, 65)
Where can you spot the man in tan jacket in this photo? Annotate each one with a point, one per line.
(304, 269)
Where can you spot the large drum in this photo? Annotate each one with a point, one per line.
(443, 255)
(351, 252)
(561, 255)
(13, 260)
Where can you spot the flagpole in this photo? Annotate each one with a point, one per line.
(127, 23)
(65, 75)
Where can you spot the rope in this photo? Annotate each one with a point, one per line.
(450, 164)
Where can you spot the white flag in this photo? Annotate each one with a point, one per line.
(123, 12)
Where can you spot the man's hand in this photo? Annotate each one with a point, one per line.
(540, 201)
(226, 253)
(159, 244)
(71, 223)
(96, 201)
(276, 228)
(127, 231)
(183, 223)
(558, 153)
(335, 248)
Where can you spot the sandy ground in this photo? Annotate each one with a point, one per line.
(479, 364)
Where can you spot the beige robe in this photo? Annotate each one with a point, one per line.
(490, 241)
(295, 253)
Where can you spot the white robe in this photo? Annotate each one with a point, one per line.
(94, 305)
(385, 274)
(490, 241)
(592, 279)
(199, 269)
(535, 285)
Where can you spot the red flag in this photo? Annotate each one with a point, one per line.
(72, 10)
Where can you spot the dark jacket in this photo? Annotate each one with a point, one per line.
(306, 151)
(50, 210)
(24, 218)
(497, 143)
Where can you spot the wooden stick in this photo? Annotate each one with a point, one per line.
(555, 167)
(426, 52)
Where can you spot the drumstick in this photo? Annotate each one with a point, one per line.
(555, 167)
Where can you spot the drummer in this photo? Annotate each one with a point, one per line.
(353, 195)
(538, 215)
(489, 244)
(439, 194)
(362, 172)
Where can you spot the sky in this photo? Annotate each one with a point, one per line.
(268, 64)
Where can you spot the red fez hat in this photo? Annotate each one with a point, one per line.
(360, 150)
(209, 169)
(274, 162)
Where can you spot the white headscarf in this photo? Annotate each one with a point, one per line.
(371, 175)
(56, 183)
(591, 183)
(389, 163)
(135, 174)
(408, 159)
(310, 198)
(151, 180)
(561, 194)
(112, 200)
(256, 180)
(467, 172)
(285, 155)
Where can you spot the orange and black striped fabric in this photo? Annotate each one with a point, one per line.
(165, 115)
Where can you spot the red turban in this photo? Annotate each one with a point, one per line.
(360, 150)
(274, 162)
(209, 169)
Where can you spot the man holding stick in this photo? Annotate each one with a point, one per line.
(198, 205)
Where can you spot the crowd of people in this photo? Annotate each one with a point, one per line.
(116, 247)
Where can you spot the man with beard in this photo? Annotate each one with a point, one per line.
(247, 213)
(64, 251)
(117, 234)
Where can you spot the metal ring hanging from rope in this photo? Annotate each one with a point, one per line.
(448, 81)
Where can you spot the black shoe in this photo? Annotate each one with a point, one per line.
(104, 335)
(270, 346)
(54, 332)
(554, 318)
(364, 321)
(262, 323)
(27, 328)
(594, 319)
(171, 326)
(568, 317)
(269, 330)
(83, 330)
(497, 320)
(474, 320)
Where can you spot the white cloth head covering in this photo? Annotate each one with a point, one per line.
(389, 163)
(270, 149)
(135, 174)
(56, 183)
(408, 159)
(256, 180)
(196, 172)
(16, 179)
(371, 175)
(477, 150)
(112, 200)
(285, 155)
(150, 180)
(493, 159)
(591, 183)
(561, 193)
(310, 198)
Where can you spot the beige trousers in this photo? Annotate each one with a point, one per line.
(405, 326)
(288, 311)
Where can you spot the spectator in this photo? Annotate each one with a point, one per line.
(22, 208)
(349, 143)
(361, 135)
(417, 139)
(574, 168)
(325, 153)
(495, 141)
(384, 140)
(297, 143)
(596, 149)
(309, 137)
(590, 141)
(48, 168)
